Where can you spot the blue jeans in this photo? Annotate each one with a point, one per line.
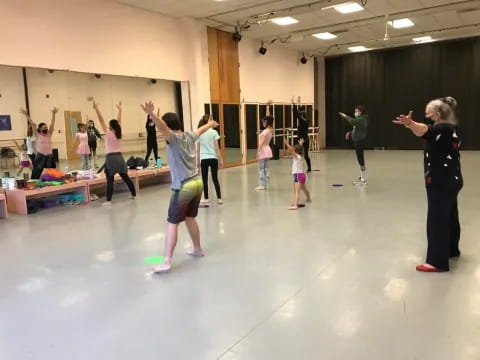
(263, 170)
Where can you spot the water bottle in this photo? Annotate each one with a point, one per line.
(159, 162)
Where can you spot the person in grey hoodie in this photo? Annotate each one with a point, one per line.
(358, 136)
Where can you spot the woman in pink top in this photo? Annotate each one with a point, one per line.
(264, 150)
(44, 158)
(114, 161)
(82, 149)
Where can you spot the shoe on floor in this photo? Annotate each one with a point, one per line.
(428, 268)
(360, 182)
(220, 202)
(260, 188)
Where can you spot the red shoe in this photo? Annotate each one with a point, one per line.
(426, 268)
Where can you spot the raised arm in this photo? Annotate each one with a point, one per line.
(51, 129)
(29, 119)
(289, 147)
(419, 129)
(267, 111)
(119, 115)
(100, 117)
(149, 109)
(18, 146)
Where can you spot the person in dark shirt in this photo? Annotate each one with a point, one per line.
(302, 130)
(93, 135)
(151, 139)
(443, 180)
(358, 136)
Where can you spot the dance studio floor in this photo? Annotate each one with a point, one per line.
(335, 280)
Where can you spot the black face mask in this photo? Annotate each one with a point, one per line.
(428, 121)
(44, 131)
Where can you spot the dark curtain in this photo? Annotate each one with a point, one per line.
(178, 96)
(394, 81)
(251, 120)
(278, 114)
(262, 109)
(231, 120)
(288, 116)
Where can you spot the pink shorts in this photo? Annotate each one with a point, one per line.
(300, 178)
(25, 164)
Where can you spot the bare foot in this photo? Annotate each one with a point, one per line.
(197, 253)
(162, 268)
(107, 204)
(293, 208)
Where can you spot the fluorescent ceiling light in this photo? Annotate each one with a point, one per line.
(287, 20)
(325, 36)
(357, 48)
(401, 23)
(422, 39)
(348, 8)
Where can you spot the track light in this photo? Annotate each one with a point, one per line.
(303, 59)
(262, 50)
(236, 36)
(153, 81)
(98, 76)
(51, 71)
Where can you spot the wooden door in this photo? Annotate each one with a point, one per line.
(72, 119)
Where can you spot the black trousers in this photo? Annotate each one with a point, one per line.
(32, 158)
(93, 148)
(111, 180)
(152, 145)
(443, 227)
(360, 151)
(42, 162)
(306, 148)
(213, 164)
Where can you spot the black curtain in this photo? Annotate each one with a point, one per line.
(278, 115)
(394, 81)
(231, 120)
(251, 120)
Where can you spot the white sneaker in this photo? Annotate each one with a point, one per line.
(107, 204)
(360, 182)
(220, 202)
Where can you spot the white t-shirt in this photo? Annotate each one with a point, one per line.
(298, 164)
(30, 148)
(207, 144)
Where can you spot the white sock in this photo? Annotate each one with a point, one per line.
(362, 174)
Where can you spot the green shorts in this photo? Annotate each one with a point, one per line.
(184, 202)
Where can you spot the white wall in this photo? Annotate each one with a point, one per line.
(278, 75)
(103, 36)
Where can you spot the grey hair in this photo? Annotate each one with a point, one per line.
(445, 107)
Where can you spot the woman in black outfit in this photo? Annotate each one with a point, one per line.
(443, 179)
(302, 130)
(151, 139)
(93, 135)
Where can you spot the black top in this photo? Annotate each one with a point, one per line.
(302, 124)
(93, 134)
(442, 157)
(151, 129)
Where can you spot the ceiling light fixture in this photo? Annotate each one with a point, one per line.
(422, 39)
(236, 36)
(262, 50)
(358, 48)
(287, 20)
(325, 36)
(303, 59)
(401, 23)
(346, 8)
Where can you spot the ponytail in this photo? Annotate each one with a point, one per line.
(117, 129)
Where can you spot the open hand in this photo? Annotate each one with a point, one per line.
(213, 123)
(301, 141)
(23, 111)
(148, 107)
(54, 110)
(119, 105)
(405, 120)
(220, 165)
(347, 136)
(269, 102)
(343, 115)
(95, 105)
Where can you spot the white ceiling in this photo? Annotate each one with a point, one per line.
(442, 19)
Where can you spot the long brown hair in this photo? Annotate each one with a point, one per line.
(204, 120)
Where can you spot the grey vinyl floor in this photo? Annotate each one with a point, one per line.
(335, 280)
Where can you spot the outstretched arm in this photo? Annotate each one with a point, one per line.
(29, 119)
(51, 129)
(419, 129)
(289, 147)
(100, 117)
(211, 124)
(119, 116)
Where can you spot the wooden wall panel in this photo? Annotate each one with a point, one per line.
(213, 65)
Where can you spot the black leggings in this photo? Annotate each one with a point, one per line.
(126, 179)
(306, 148)
(32, 158)
(205, 164)
(152, 145)
(359, 150)
(42, 162)
(443, 227)
(93, 148)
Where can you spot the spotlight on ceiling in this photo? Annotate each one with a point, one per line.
(153, 81)
(262, 50)
(51, 71)
(98, 76)
(303, 59)
(236, 36)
